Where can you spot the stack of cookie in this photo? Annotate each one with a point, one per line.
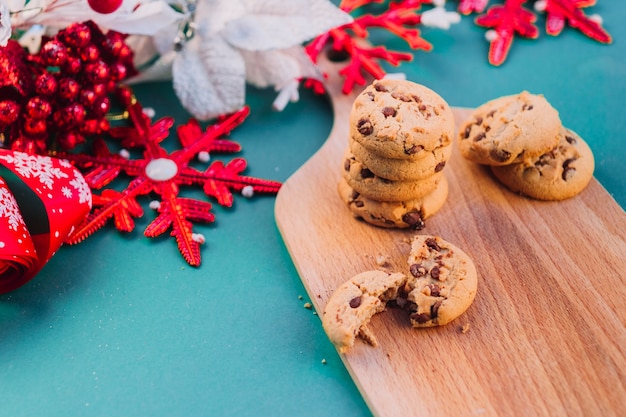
(527, 148)
(400, 140)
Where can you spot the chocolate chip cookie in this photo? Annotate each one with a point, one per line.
(352, 305)
(402, 169)
(558, 174)
(441, 284)
(510, 129)
(409, 214)
(365, 182)
(401, 119)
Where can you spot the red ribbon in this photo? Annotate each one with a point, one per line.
(42, 200)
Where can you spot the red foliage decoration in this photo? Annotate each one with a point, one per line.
(399, 18)
(163, 173)
(510, 19)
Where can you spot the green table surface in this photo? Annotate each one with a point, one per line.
(120, 325)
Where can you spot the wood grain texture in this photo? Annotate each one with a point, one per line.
(547, 330)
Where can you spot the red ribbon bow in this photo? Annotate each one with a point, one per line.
(42, 200)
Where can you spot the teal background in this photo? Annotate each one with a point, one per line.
(120, 325)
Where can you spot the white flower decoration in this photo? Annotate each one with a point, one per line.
(5, 24)
(226, 43)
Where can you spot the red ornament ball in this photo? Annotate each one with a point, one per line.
(46, 84)
(53, 53)
(38, 108)
(9, 112)
(104, 6)
(76, 35)
(68, 88)
(69, 140)
(34, 127)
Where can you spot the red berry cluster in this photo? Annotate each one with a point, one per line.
(60, 95)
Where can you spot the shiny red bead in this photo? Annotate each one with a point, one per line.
(88, 98)
(72, 65)
(90, 53)
(38, 108)
(118, 71)
(9, 112)
(34, 127)
(68, 88)
(53, 53)
(46, 84)
(97, 72)
(76, 35)
(104, 6)
(100, 89)
(70, 139)
(101, 106)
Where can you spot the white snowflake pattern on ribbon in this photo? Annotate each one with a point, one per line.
(10, 210)
(31, 166)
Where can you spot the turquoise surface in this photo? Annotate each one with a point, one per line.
(120, 325)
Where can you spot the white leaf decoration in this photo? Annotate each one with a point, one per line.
(278, 24)
(209, 78)
(279, 67)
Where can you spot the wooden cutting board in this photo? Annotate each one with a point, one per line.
(546, 334)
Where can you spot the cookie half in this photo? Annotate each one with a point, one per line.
(401, 119)
(402, 169)
(352, 305)
(558, 174)
(365, 182)
(442, 282)
(409, 214)
(510, 129)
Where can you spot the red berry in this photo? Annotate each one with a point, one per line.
(53, 53)
(101, 106)
(69, 140)
(97, 72)
(46, 84)
(9, 112)
(90, 53)
(38, 108)
(76, 35)
(105, 6)
(72, 65)
(68, 88)
(34, 127)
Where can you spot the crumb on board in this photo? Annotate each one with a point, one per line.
(308, 306)
(299, 297)
(382, 260)
(323, 361)
(464, 328)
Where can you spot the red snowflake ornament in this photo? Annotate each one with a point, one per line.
(163, 174)
(507, 20)
(400, 18)
(561, 11)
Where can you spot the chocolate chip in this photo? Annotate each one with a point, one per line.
(389, 112)
(346, 164)
(422, 107)
(355, 302)
(359, 203)
(480, 137)
(366, 173)
(417, 270)
(370, 95)
(432, 244)
(466, 132)
(500, 155)
(414, 149)
(527, 107)
(355, 195)
(440, 166)
(420, 318)
(365, 127)
(434, 272)
(380, 87)
(479, 120)
(491, 113)
(414, 219)
(571, 140)
(399, 96)
(434, 309)
(568, 171)
(435, 290)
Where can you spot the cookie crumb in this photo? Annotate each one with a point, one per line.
(323, 361)
(299, 297)
(382, 260)
(464, 328)
(308, 306)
